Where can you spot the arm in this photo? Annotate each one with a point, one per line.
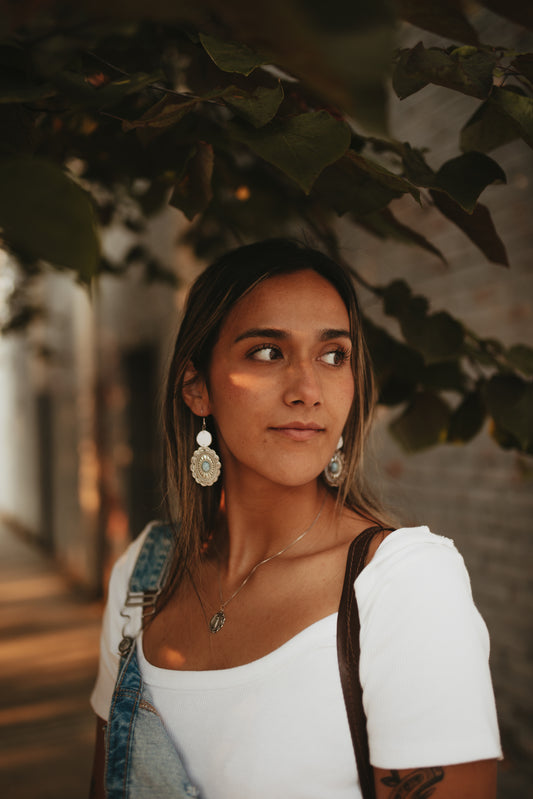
(465, 781)
(97, 780)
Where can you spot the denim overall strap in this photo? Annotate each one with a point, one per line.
(141, 760)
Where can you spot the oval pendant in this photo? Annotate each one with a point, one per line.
(125, 645)
(217, 621)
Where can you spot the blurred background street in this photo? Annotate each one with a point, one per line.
(48, 657)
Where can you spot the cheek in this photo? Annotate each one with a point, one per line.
(239, 397)
(346, 392)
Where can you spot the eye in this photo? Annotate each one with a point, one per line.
(265, 352)
(336, 357)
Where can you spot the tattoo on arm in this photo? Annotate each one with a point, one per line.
(418, 784)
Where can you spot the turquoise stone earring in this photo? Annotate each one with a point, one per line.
(335, 468)
(205, 463)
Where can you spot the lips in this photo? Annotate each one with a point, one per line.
(299, 431)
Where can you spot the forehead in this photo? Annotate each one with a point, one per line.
(298, 300)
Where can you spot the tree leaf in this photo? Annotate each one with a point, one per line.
(524, 64)
(301, 146)
(488, 128)
(384, 224)
(397, 366)
(478, 226)
(444, 376)
(164, 114)
(416, 168)
(467, 419)
(357, 184)
(439, 16)
(17, 89)
(423, 423)
(465, 177)
(521, 357)
(45, 215)
(464, 69)
(517, 107)
(77, 89)
(406, 80)
(437, 336)
(510, 403)
(232, 56)
(257, 107)
(193, 191)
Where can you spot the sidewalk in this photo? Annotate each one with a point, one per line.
(48, 659)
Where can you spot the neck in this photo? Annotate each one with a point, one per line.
(260, 522)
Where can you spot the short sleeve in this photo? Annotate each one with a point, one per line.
(114, 626)
(424, 668)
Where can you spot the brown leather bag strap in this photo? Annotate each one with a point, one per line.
(348, 653)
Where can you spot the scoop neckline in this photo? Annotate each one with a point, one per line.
(156, 675)
(303, 641)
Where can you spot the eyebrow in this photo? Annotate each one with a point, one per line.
(275, 333)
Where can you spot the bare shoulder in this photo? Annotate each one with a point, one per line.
(353, 524)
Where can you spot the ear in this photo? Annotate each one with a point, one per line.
(194, 392)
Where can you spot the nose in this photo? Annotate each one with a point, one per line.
(303, 386)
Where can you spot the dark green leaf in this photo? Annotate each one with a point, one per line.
(524, 64)
(465, 177)
(193, 191)
(416, 168)
(359, 185)
(406, 81)
(467, 419)
(510, 403)
(44, 214)
(17, 89)
(521, 357)
(232, 56)
(478, 226)
(465, 69)
(438, 336)
(300, 146)
(519, 108)
(56, 51)
(488, 128)
(165, 113)
(384, 225)
(257, 107)
(74, 86)
(397, 367)
(438, 16)
(423, 423)
(444, 376)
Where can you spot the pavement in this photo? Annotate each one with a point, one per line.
(48, 659)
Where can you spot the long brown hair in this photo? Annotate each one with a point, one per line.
(192, 508)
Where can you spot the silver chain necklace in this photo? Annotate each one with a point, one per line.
(217, 621)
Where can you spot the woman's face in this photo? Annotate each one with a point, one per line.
(280, 380)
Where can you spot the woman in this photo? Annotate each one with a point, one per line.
(268, 403)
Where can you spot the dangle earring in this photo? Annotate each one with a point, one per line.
(205, 463)
(334, 469)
